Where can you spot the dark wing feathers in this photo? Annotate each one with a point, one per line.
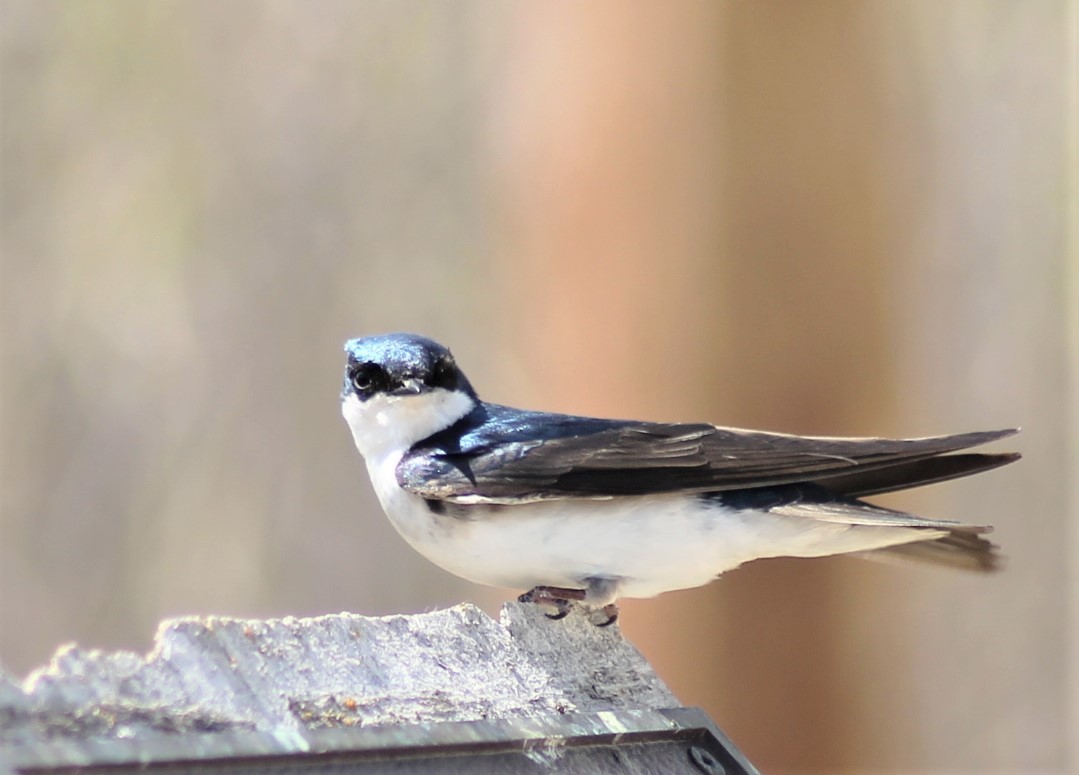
(860, 483)
(499, 454)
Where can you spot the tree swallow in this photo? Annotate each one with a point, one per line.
(590, 510)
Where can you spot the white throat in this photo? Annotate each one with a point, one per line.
(384, 425)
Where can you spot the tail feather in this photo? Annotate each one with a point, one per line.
(937, 541)
(963, 550)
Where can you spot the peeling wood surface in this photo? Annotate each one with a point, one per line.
(289, 676)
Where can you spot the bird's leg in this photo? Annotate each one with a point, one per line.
(559, 597)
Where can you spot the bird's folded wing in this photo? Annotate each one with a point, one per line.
(506, 456)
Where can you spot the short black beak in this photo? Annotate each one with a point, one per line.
(410, 387)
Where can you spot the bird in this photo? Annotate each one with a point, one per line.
(583, 511)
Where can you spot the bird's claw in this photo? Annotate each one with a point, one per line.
(563, 607)
(611, 612)
(558, 597)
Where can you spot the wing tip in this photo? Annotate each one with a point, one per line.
(978, 438)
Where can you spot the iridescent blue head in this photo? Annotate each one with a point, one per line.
(400, 365)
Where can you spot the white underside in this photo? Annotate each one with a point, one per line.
(617, 547)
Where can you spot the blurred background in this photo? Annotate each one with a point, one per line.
(840, 217)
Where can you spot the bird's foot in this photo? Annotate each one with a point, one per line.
(562, 600)
(559, 597)
(611, 612)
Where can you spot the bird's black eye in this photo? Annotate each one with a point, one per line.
(444, 374)
(366, 377)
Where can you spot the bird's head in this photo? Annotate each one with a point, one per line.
(399, 389)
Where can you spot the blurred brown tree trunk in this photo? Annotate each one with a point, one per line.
(644, 296)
